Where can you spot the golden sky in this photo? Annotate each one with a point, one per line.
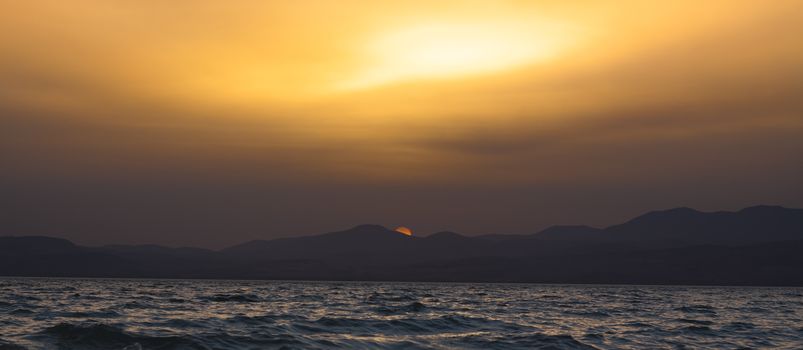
(321, 96)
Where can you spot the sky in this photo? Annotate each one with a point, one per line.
(208, 123)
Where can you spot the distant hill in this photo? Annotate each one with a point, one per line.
(350, 241)
(686, 226)
(755, 246)
(35, 245)
(571, 233)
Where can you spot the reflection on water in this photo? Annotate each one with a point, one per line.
(184, 314)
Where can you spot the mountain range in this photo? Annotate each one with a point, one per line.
(758, 245)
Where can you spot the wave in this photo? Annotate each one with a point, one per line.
(16, 298)
(7, 345)
(740, 326)
(392, 310)
(21, 312)
(550, 297)
(267, 319)
(137, 305)
(637, 324)
(237, 315)
(697, 322)
(696, 329)
(380, 298)
(89, 314)
(408, 326)
(698, 309)
(102, 336)
(307, 297)
(97, 336)
(592, 314)
(178, 323)
(227, 298)
(528, 341)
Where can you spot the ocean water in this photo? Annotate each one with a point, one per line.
(190, 314)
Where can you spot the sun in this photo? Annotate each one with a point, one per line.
(404, 230)
(439, 50)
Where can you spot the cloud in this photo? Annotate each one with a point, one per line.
(163, 112)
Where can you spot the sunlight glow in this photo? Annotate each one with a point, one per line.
(446, 50)
(404, 230)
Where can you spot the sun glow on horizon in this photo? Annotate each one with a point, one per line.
(404, 230)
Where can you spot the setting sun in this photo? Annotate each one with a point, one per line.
(404, 230)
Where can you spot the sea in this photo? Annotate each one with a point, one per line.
(134, 314)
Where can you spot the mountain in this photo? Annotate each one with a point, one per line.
(754, 246)
(31, 245)
(570, 233)
(686, 226)
(373, 238)
(47, 256)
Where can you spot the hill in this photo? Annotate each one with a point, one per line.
(754, 246)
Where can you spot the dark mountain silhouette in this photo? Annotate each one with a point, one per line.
(372, 237)
(35, 245)
(686, 226)
(570, 233)
(754, 246)
(749, 225)
(446, 236)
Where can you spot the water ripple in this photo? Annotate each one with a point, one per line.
(185, 314)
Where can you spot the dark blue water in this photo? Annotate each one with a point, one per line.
(186, 314)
